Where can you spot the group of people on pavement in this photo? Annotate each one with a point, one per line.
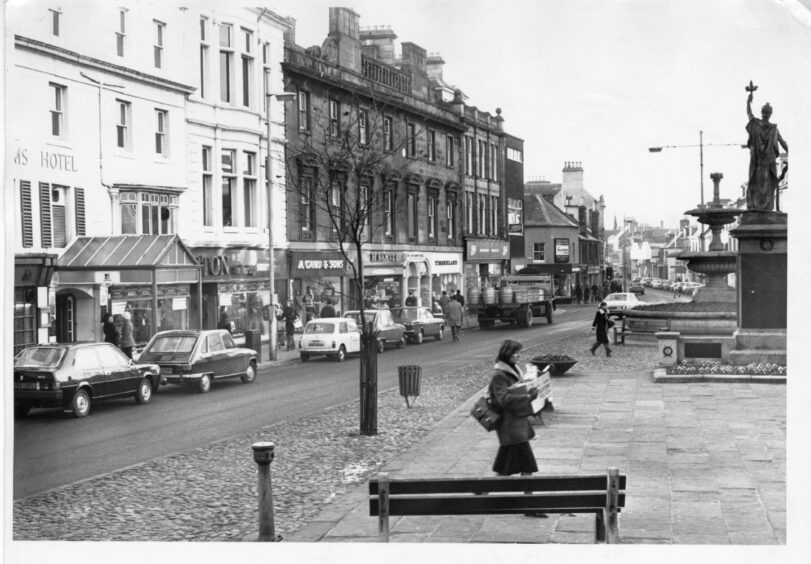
(588, 294)
(122, 338)
(453, 312)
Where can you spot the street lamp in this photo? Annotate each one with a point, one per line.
(282, 97)
(700, 146)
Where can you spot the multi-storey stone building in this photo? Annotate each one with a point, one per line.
(115, 124)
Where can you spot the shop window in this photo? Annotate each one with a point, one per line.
(25, 329)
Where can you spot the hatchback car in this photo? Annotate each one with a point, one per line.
(620, 301)
(385, 329)
(419, 323)
(74, 375)
(193, 357)
(637, 288)
(334, 337)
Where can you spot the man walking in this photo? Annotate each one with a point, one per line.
(600, 324)
(455, 314)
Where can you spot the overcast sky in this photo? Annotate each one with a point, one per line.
(601, 81)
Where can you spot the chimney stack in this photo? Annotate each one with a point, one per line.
(344, 28)
(378, 42)
(413, 62)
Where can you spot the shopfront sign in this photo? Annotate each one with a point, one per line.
(487, 250)
(445, 263)
(562, 250)
(304, 265)
(222, 266)
(384, 257)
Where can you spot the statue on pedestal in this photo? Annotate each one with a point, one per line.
(764, 147)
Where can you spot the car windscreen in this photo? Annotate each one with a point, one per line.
(320, 328)
(39, 357)
(405, 314)
(169, 348)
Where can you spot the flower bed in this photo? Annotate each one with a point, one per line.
(689, 307)
(558, 363)
(718, 368)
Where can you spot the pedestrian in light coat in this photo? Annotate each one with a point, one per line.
(455, 316)
(514, 403)
(127, 340)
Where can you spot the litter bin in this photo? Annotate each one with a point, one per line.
(409, 377)
(253, 340)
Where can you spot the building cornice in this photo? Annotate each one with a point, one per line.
(89, 62)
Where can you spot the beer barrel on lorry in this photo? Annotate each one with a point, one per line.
(474, 295)
(489, 296)
(505, 296)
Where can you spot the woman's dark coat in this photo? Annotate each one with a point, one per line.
(601, 324)
(514, 405)
(111, 334)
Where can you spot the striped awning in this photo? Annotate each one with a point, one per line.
(126, 252)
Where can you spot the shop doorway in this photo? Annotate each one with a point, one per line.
(65, 318)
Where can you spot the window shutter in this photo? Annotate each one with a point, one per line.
(80, 214)
(45, 213)
(60, 226)
(27, 215)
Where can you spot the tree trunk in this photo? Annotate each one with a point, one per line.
(368, 383)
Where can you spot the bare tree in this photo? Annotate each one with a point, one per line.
(343, 177)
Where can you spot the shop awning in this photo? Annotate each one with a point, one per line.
(126, 252)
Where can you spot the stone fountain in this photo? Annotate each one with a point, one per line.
(716, 263)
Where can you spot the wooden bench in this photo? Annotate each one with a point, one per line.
(602, 495)
(641, 326)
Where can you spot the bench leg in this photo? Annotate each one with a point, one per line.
(383, 510)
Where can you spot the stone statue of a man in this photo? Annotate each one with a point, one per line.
(764, 139)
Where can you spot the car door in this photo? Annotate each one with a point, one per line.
(123, 377)
(234, 360)
(87, 367)
(353, 336)
(215, 357)
(428, 322)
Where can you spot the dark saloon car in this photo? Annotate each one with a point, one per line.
(385, 329)
(197, 358)
(419, 323)
(74, 375)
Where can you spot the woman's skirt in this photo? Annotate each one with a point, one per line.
(515, 459)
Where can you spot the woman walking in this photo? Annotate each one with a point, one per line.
(127, 340)
(514, 402)
(601, 325)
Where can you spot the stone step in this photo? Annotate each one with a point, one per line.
(757, 356)
(760, 339)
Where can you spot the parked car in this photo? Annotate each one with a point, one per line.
(656, 283)
(419, 323)
(637, 288)
(620, 301)
(198, 357)
(332, 336)
(75, 375)
(385, 329)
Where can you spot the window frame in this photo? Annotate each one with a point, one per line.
(229, 177)
(247, 60)
(539, 252)
(160, 28)
(334, 118)
(431, 148)
(162, 132)
(121, 34)
(411, 139)
(388, 133)
(303, 110)
(450, 157)
(250, 203)
(431, 215)
(124, 130)
(208, 185)
(226, 61)
(55, 21)
(57, 111)
(363, 127)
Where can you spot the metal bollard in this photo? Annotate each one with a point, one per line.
(263, 456)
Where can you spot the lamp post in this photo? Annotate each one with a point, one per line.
(283, 97)
(700, 146)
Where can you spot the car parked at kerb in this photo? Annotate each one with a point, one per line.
(419, 323)
(334, 337)
(75, 375)
(198, 357)
(383, 326)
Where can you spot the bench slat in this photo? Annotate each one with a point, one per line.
(494, 504)
(500, 484)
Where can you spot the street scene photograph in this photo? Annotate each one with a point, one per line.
(483, 280)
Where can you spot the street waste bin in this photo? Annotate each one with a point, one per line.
(253, 340)
(409, 377)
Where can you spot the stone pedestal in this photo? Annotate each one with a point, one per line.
(762, 279)
(668, 342)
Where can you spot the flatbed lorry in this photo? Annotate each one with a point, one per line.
(520, 300)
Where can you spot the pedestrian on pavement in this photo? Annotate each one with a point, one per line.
(586, 294)
(127, 340)
(455, 315)
(514, 432)
(443, 303)
(578, 293)
(411, 300)
(289, 316)
(595, 293)
(328, 310)
(111, 334)
(224, 323)
(600, 324)
(459, 297)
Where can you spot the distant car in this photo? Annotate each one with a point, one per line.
(332, 336)
(656, 283)
(385, 329)
(689, 288)
(198, 357)
(620, 301)
(419, 323)
(637, 288)
(75, 375)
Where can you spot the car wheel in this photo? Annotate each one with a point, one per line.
(21, 411)
(381, 345)
(419, 337)
(341, 355)
(250, 373)
(402, 342)
(305, 357)
(144, 392)
(80, 404)
(441, 334)
(205, 384)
